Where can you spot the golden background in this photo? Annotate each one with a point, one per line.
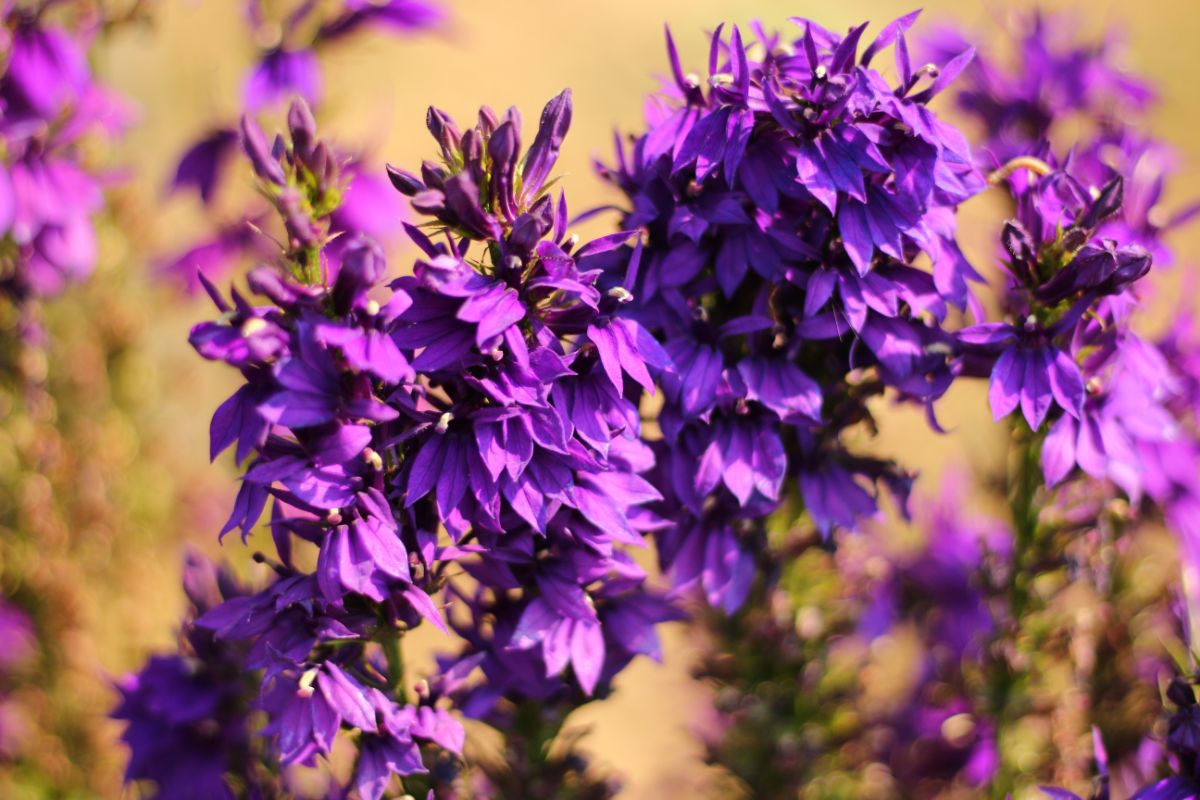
(187, 72)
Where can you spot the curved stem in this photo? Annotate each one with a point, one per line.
(1035, 165)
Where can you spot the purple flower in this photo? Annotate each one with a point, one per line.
(399, 16)
(188, 725)
(1052, 78)
(281, 75)
(784, 203)
(47, 196)
(201, 166)
(1029, 372)
(47, 71)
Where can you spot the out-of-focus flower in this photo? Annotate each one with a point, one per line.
(49, 196)
(288, 69)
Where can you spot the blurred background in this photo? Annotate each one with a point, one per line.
(111, 483)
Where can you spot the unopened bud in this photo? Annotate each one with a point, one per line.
(404, 181)
(302, 126)
(254, 143)
(443, 129)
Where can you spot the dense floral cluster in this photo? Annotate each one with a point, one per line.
(534, 451)
(49, 195)
(463, 445)
(187, 713)
(471, 418)
(784, 209)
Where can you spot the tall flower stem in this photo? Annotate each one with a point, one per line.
(1032, 557)
(1025, 480)
(395, 663)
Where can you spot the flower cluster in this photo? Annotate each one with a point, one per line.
(784, 209)
(288, 67)
(469, 418)
(1066, 353)
(315, 362)
(463, 446)
(1052, 78)
(1128, 417)
(524, 440)
(188, 714)
(49, 197)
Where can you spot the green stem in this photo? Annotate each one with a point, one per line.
(1029, 560)
(1028, 540)
(395, 663)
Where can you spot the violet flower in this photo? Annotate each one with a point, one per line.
(784, 203)
(188, 715)
(471, 416)
(48, 195)
(530, 447)
(1066, 354)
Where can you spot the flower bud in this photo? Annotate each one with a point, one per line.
(444, 131)
(255, 145)
(302, 127)
(403, 181)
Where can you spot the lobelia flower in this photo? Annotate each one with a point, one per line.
(470, 416)
(1067, 354)
(187, 715)
(48, 196)
(200, 168)
(281, 75)
(530, 447)
(783, 209)
(399, 16)
(1052, 78)
(1057, 85)
(310, 424)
